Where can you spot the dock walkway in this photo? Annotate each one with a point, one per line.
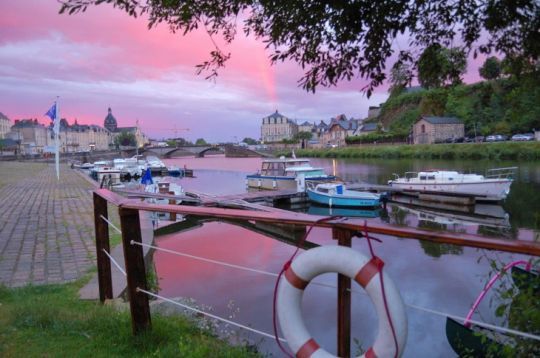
(46, 226)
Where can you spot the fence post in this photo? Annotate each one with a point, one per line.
(344, 299)
(135, 270)
(102, 243)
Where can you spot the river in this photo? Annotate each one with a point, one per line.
(443, 278)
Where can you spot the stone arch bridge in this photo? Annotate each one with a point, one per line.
(200, 150)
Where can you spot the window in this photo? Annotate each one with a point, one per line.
(422, 177)
(431, 177)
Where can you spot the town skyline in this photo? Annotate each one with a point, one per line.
(103, 58)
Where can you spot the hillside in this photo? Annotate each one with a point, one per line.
(503, 106)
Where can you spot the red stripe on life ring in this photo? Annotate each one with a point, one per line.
(294, 279)
(370, 353)
(307, 349)
(369, 270)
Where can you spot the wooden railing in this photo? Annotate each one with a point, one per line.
(343, 230)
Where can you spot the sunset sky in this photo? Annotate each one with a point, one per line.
(104, 58)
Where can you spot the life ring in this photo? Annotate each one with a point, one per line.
(350, 263)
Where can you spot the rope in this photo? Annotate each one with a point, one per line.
(427, 310)
(111, 224)
(204, 259)
(115, 263)
(209, 314)
(477, 323)
(387, 310)
(244, 268)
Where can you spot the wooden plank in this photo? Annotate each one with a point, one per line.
(135, 270)
(102, 243)
(516, 246)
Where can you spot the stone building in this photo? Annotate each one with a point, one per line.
(32, 137)
(429, 130)
(111, 124)
(276, 127)
(5, 125)
(306, 127)
(339, 128)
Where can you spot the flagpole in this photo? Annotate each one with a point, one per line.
(56, 130)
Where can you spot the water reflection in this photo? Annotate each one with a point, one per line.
(440, 277)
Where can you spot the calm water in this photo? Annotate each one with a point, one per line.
(440, 277)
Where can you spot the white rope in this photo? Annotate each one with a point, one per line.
(481, 324)
(204, 259)
(462, 319)
(210, 315)
(244, 268)
(111, 224)
(115, 263)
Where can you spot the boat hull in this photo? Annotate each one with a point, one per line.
(493, 190)
(342, 200)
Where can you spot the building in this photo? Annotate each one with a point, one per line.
(373, 111)
(429, 130)
(276, 127)
(111, 124)
(32, 137)
(366, 128)
(5, 125)
(339, 128)
(306, 127)
(87, 137)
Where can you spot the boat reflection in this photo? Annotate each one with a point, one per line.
(353, 212)
(480, 219)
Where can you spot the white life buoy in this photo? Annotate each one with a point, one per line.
(364, 271)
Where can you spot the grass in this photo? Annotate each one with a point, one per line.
(494, 151)
(50, 321)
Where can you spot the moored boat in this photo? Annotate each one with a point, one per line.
(286, 173)
(336, 194)
(494, 186)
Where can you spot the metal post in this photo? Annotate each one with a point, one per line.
(344, 299)
(135, 270)
(102, 243)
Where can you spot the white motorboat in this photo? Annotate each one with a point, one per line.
(494, 186)
(286, 173)
(104, 172)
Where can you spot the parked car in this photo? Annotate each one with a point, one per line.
(523, 137)
(496, 138)
(454, 140)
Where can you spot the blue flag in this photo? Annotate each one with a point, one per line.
(51, 113)
(147, 177)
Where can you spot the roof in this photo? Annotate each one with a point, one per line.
(369, 127)
(276, 114)
(3, 116)
(442, 120)
(347, 125)
(306, 123)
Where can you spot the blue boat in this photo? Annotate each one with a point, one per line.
(336, 194)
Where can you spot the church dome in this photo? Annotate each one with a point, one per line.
(110, 122)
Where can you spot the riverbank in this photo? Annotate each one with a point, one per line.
(47, 252)
(494, 151)
(51, 321)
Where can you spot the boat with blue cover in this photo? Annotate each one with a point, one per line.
(337, 194)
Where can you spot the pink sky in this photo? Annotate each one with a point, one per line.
(104, 58)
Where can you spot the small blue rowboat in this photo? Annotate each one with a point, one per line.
(335, 194)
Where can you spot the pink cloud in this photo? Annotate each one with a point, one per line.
(105, 58)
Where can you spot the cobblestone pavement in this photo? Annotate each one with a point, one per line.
(46, 226)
